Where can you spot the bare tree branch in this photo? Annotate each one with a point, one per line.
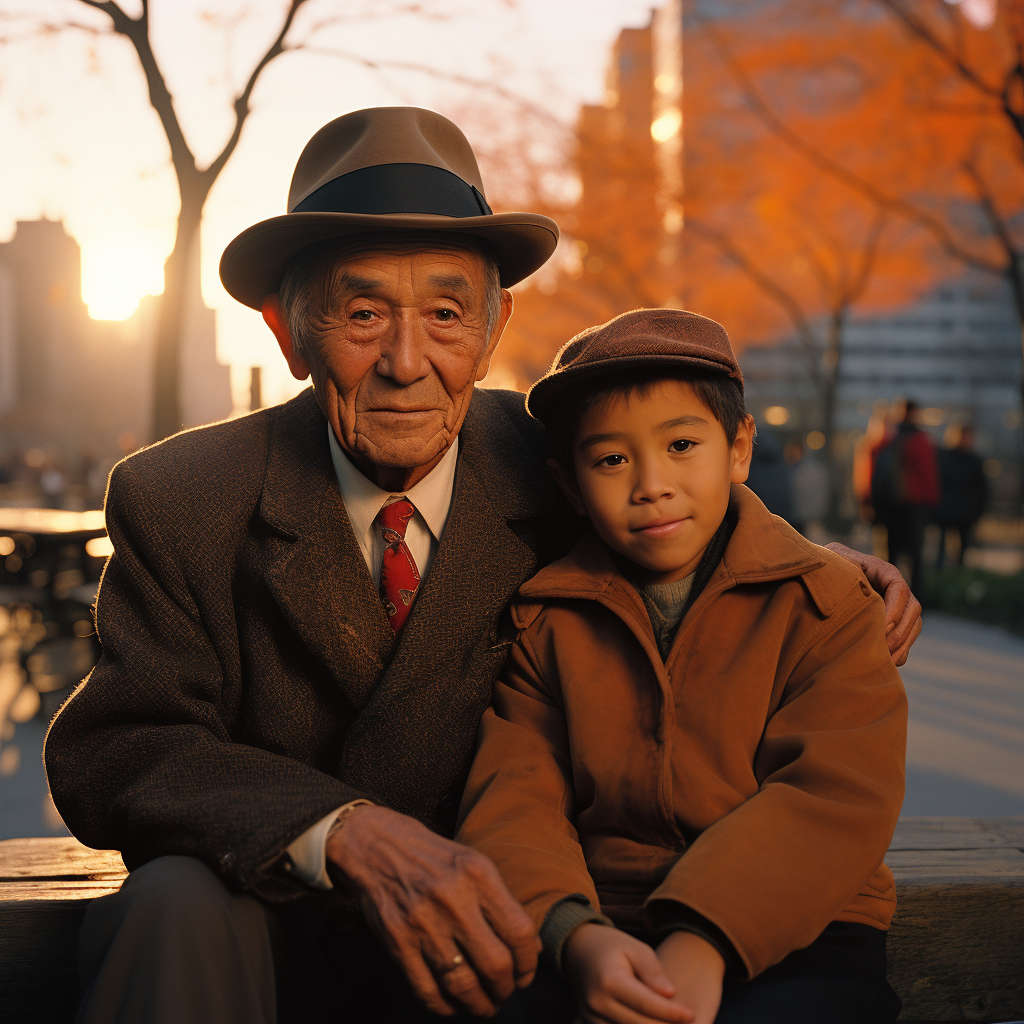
(241, 104)
(986, 201)
(868, 255)
(808, 339)
(918, 27)
(447, 76)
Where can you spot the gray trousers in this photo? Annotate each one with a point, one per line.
(175, 945)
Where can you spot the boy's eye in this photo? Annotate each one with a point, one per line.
(612, 460)
(680, 446)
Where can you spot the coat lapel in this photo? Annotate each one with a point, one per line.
(315, 569)
(439, 679)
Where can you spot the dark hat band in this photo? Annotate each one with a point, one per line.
(397, 188)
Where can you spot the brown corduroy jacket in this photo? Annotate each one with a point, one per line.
(249, 679)
(755, 775)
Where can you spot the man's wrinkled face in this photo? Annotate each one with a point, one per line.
(394, 371)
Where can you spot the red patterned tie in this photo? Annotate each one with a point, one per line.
(399, 577)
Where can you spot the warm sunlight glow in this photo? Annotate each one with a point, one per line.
(116, 274)
(979, 12)
(776, 415)
(99, 547)
(667, 125)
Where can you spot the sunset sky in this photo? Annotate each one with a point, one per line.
(81, 143)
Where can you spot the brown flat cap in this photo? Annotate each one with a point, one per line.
(640, 339)
(381, 171)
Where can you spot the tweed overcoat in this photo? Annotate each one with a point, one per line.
(249, 680)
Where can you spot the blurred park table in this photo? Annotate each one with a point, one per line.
(50, 555)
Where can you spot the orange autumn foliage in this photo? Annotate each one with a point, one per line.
(836, 164)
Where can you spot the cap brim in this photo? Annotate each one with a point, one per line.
(254, 263)
(543, 394)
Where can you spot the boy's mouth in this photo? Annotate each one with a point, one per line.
(660, 527)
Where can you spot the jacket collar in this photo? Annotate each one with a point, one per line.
(763, 548)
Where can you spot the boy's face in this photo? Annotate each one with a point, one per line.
(653, 471)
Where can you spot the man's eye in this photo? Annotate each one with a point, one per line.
(445, 315)
(680, 446)
(612, 460)
(363, 315)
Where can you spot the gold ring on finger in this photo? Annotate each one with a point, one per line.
(457, 961)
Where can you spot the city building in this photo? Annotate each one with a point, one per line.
(74, 390)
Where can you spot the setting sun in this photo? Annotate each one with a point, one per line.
(115, 276)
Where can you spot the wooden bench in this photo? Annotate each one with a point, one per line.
(956, 949)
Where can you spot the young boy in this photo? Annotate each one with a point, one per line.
(694, 759)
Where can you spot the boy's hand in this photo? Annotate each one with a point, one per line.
(696, 970)
(619, 979)
(902, 609)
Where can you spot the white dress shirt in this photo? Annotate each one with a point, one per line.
(432, 499)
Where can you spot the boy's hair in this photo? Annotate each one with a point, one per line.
(722, 394)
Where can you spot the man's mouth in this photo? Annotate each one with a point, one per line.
(389, 411)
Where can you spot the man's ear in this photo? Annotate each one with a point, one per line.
(742, 450)
(567, 482)
(496, 332)
(274, 316)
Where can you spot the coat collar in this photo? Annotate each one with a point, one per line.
(763, 548)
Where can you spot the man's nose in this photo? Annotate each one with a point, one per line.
(403, 353)
(652, 483)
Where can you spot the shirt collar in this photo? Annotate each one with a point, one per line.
(363, 499)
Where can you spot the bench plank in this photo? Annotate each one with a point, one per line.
(956, 946)
(63, 857)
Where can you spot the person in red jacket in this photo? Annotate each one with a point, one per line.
(904, 487)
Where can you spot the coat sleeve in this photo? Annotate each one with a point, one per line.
(143, 758)
(772, 873)
(518, 804)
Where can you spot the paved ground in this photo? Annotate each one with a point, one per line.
(965, 751)
(965, 747)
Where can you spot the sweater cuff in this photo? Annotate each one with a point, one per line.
(562, 920)
(667, 916)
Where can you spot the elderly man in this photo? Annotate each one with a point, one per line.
(304, 614)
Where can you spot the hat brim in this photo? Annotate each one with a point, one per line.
(254, 263)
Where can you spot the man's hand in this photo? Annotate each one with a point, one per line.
(902, 609)
(440, 908)
(696, 970)
(619, 979)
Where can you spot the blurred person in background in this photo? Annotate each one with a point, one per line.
(879, 432)
(769, 475)
(963, 486)
(810, 478)
(904, 488)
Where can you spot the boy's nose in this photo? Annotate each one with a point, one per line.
(652, 485)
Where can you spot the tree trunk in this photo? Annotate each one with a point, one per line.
(829, 394)
(182, 262)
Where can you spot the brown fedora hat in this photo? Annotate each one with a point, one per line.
(378, 171)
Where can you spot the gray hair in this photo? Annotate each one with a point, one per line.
(309, 283)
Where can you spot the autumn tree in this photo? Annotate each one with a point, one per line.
(930, 125)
